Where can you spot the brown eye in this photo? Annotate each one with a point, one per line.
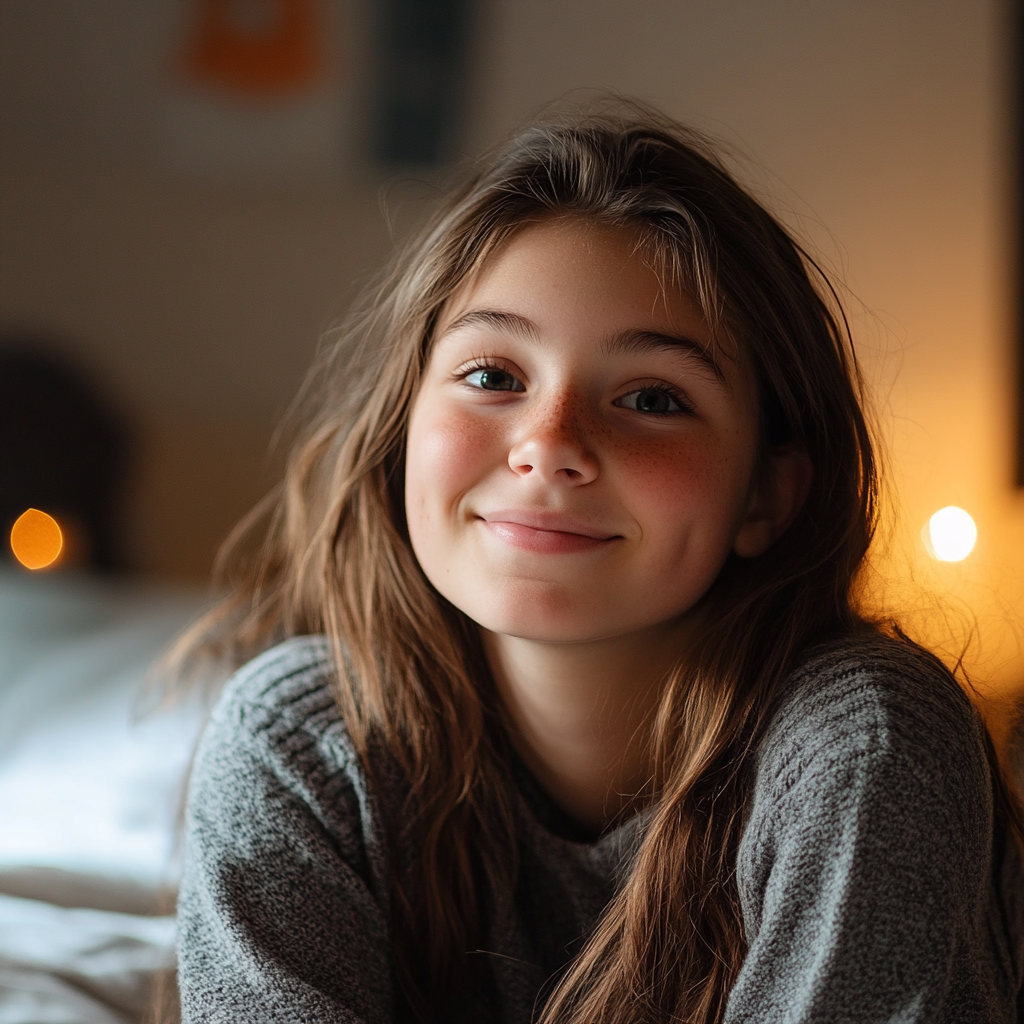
(494, 379)
(653, 401)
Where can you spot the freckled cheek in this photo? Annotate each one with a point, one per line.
(448, 452)
(673, 486)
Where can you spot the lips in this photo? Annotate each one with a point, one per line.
(545, 532)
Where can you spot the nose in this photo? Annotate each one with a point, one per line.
(552, 446)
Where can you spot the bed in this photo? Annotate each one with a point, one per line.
(92, 774)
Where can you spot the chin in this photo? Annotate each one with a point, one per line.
(545, 633)
(542, 621)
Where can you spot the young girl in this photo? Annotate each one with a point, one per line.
(571, 715)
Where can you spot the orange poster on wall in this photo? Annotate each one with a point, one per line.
(254, 91)
(258, 48)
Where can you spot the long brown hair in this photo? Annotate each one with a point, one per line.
(332, 556)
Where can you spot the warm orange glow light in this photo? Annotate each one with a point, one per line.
(36, 539)
(952, 534)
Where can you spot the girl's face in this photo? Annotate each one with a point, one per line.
(581, 455)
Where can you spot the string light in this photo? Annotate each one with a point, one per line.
(951, 534)
(36, 539)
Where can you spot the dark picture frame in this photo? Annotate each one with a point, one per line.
(421, 50)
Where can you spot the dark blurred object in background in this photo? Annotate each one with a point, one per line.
(63, 449)
(422, 56)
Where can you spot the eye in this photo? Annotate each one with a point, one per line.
(656, 401)
(493, 378)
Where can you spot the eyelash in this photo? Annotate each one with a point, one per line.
(483, 363)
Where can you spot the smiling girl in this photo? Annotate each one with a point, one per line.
(565, 710)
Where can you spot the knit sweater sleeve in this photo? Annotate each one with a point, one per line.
(865, 869)
(282, 909)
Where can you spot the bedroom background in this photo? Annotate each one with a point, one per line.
(190, 193)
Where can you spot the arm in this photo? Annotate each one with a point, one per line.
(280, 918)
(865, 871)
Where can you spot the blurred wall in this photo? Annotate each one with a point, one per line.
(879, 129)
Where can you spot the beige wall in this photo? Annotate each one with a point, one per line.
(879, 128)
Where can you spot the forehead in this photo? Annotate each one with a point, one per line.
(574, 271)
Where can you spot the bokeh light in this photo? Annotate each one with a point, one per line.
(952, 534)
(36, 539)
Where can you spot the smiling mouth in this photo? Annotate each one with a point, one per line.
(545, 532)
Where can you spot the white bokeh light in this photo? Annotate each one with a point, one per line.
(951, 534)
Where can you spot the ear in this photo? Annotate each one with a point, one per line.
(779, 492)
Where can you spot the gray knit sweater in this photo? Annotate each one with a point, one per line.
(873, 884)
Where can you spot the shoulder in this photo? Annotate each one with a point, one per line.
(871, 680)
(281, 706)
(865, 869)
(865, 866)
(280, 687)
(873, 747)
(276, 739)
(878, 703)
(284, 901)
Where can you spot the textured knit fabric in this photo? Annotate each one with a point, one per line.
(873, 884)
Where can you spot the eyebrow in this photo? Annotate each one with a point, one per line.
(628, 341)
(640, 341)
(511, 323)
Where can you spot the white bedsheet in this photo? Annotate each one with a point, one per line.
(90, 794)
(61, 966)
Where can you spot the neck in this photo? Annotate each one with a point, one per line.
(581, 716)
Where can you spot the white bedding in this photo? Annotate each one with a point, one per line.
(90, 792)
(61, 966)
